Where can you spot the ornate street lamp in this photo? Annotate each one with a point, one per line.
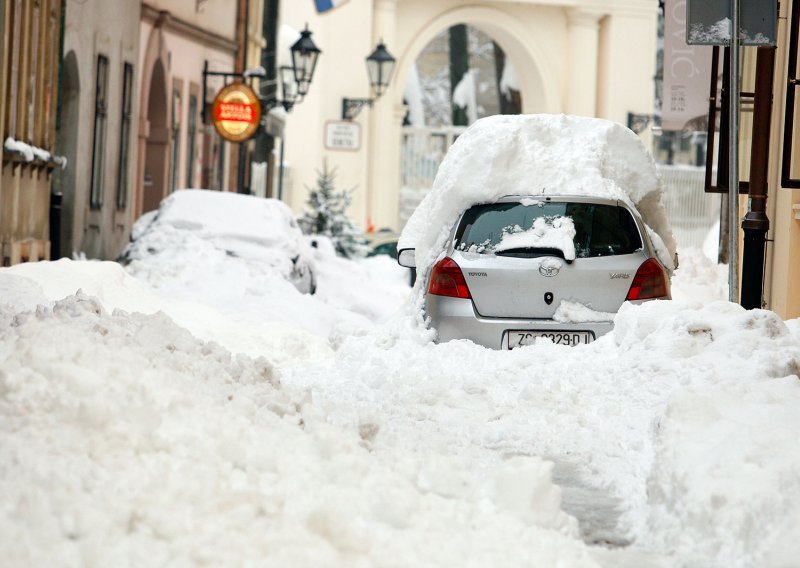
(289, 88)
(380, 65)
(304, 61)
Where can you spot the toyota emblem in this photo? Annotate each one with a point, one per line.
(548, 271)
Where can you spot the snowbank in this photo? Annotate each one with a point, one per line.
(538, 155)
(645, 453)
(229, 306)
(125, 441)
(106, 281)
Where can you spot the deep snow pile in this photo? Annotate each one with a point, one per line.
(121, 436)
(237, 254)
(676, 433)
(539, 155)
(197, 236)
(124, 441)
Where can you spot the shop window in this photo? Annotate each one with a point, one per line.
(99, 143)
(32, 75)
(125, 135)
(14, 70)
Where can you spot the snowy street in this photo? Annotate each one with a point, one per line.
(399, 284)
(347, 438)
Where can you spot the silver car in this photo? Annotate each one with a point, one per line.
(510, 275)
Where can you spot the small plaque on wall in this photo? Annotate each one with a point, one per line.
(342, 135)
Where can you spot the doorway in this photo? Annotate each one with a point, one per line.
(156, 163)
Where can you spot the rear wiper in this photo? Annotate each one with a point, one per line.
(533, 252)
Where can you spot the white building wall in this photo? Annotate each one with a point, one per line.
(92, 28)
(183, 36)
(586, 57)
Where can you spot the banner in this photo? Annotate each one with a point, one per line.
(687, 73)
(325, 5)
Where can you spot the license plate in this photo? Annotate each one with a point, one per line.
(521, 338)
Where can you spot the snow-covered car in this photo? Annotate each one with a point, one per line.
(207, 238)
(539, 226)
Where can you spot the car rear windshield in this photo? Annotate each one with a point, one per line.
(600, 230)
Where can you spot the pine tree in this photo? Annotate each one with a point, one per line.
(327, 216)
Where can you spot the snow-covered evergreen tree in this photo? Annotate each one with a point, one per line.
(327, 216)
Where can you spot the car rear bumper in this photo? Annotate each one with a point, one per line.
(456, 318)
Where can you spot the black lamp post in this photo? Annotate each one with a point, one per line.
(380, 65)
(294, 80)
(304, 61)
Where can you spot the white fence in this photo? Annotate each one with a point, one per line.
(423, 149)
(691, 212)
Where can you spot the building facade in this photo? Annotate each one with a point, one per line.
(97, 126)
(29, 56)
(782, 267)
(176, 149)
(580, 57)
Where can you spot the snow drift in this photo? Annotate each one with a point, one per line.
(125, 441)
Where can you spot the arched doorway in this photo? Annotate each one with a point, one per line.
(67, 145)
(539, 85)
(156, 162)
(465, 71)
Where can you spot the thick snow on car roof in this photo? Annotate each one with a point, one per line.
(231, 215)
(196, 236)
(539, 155)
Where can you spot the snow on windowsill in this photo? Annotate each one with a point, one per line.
(32, 153)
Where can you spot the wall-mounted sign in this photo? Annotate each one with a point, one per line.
(687, 71)
(709, 22)
(342, 135)
(236, 112)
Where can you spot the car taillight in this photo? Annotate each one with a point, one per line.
(448, 280)
(649, 282)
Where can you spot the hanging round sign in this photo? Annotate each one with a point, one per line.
(236, 112)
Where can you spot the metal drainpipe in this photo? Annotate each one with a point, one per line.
(733, 159)
(756, 223)
(244, 7)
(56, 199)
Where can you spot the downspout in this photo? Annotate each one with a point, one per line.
(240, 68)
(756, 223)
(56, 195)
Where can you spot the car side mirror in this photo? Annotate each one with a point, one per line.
(406, 258)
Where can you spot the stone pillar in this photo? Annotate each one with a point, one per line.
(383, 191)
(627, 61)
(583, 59)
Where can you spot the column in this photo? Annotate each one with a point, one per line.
(383, 192)
(583, 60)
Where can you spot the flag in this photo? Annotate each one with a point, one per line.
(325, 5)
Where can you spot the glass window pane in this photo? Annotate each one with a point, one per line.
(125, 129)
(600, 230)
(99, 143)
